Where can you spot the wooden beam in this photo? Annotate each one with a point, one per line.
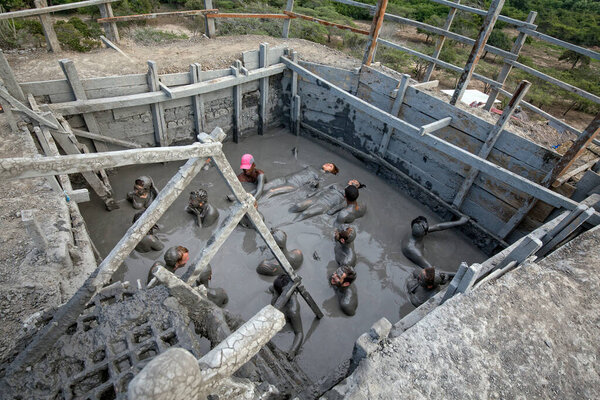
(110, 27)
(23, 108)
(115, 47)
(158, 112)
(286, 24)
(9, 79)
(426, 85)
(137, 17)
(72, 76)
(439, 43)
(165, 89)
(248, 15)
(546, 38)
(109, 103)
(209, 23)
(481, 12)
(51, 9)
(49, 34)
(197, 101)
(376, 25)
(566, 232)
(263, 62)
(477, 51)
(290, 14)
(296, 115)
(10, 117)
(490, 141)
(237, 103)
(568, 175)
(401, 91)
(434, 126)
(107, 139)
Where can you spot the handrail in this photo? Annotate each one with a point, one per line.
(51, 9)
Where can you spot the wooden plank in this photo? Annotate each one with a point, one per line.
(468, 279)
(566, 232)
(115, 47)
(374, 31)
(197, 101)
(385, 141)
(158, 113)
(264, 88)
(51, 9)
(491, 140)
(72, 76)
(477, 51)
(106, 139)
(286, 24)
(209, 24)
(434, 126)
(426, 85)
(237, 104)
(296, 115)
(451, 290)
(10, 117)
(110, 27)
(578, 49)
(22, 108)
(78, 107)
(290, 14)
(478, 11)
(9, 79)
(137, 17)
(49, 34)
(346, 79)
(248, 15)
(566, 176)
(439, 43)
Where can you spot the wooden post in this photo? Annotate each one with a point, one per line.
(263, 61)
(72, 76)
(10, 117)
(237, 103)
(51, 39)
(110, 28)
(296, 118)
(493, 136)
(385, 140)
(506, 68)
(209, 23)
(440, 43)
(9, 79)
(294, 126)
(286, 23)
(158, 112)
(374, 33)
(482, 38)
(197, 101)
(578, 147)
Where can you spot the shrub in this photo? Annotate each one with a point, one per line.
(68, 35)
(149, 36)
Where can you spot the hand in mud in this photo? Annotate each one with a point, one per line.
(230, 197)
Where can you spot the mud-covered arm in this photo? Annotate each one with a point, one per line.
(336, 208)
(296, 323)
(260, 184)
(156, 244)
(196, 213)
(447, 225)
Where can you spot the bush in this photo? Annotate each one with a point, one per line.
(68, 35)
(150, 36)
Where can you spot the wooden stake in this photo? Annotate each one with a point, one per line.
(374, 33)
(158, 111)
(51, 39)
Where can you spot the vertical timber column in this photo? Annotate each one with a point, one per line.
(506, 68)
(110, 28)
(374, 33)
(294, 99)
(440, 43)
(51, 39)
(287, 22)
(482, 38)
(198, 101)
(237, 103)
(158, 112)
(209, 23)
(385, 140)
(72, 76)
(263, 61)
(10, 81)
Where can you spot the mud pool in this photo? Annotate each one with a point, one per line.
(381, 268)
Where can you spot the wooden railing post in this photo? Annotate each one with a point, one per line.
(51, 39)
(209, 23)
(482, 38)
(286, 23)
(374, 33)
(10, 81)
(440, 43)
(263, 62)
(110, 28)
(506, 68)
(158, 112)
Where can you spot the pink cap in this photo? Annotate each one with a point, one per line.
(247, 161)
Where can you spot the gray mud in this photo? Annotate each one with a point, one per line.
(381, 268)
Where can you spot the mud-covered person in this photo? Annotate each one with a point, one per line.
(342, 280)
(424, 284)
(344, 247)
(143, 194)
(175, 257)
(251, 174)
(198, 205)
(290, 307)
(150, 241)
(307, 176)
(353, 208)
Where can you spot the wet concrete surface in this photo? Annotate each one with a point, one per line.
(382, 269)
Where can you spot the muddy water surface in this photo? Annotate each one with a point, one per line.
(381, 268)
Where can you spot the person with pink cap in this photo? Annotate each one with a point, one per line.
(252, 174)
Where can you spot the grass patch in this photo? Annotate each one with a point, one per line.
(150, 36)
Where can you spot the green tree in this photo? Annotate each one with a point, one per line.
(574, 57)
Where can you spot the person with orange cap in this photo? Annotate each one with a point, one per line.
(252, 174)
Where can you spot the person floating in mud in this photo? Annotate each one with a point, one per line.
(271, 267)
(353, 209)
(344, 246)
(144, 192)
(149, 242)
(198, 205)
(342, 280)
(252, 174)
(290, 307)
(330, 200)
(424, 284)
(307, 176)
(413, 246)
(216, 295)
(175, 257)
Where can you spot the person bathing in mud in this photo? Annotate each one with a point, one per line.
(175, 257)
(251, 174)
(353, 209)
(344, 246)
(342, 280)
(290, 307)
(198, 205)
(424, 284)
(149, 242)
(144, 192)
(216, 295)
(307, 176)
(413, 247)
(330, 200)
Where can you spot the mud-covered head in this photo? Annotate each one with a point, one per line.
(142, 186)
(343, 276)
(280, 237)
(419, 226)
(427, 277)
(176, 257)
(351, 193)
(281, 282)
(137, 216)
(331, 168)
(198, 198)
(345, 234)
(205, 275)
